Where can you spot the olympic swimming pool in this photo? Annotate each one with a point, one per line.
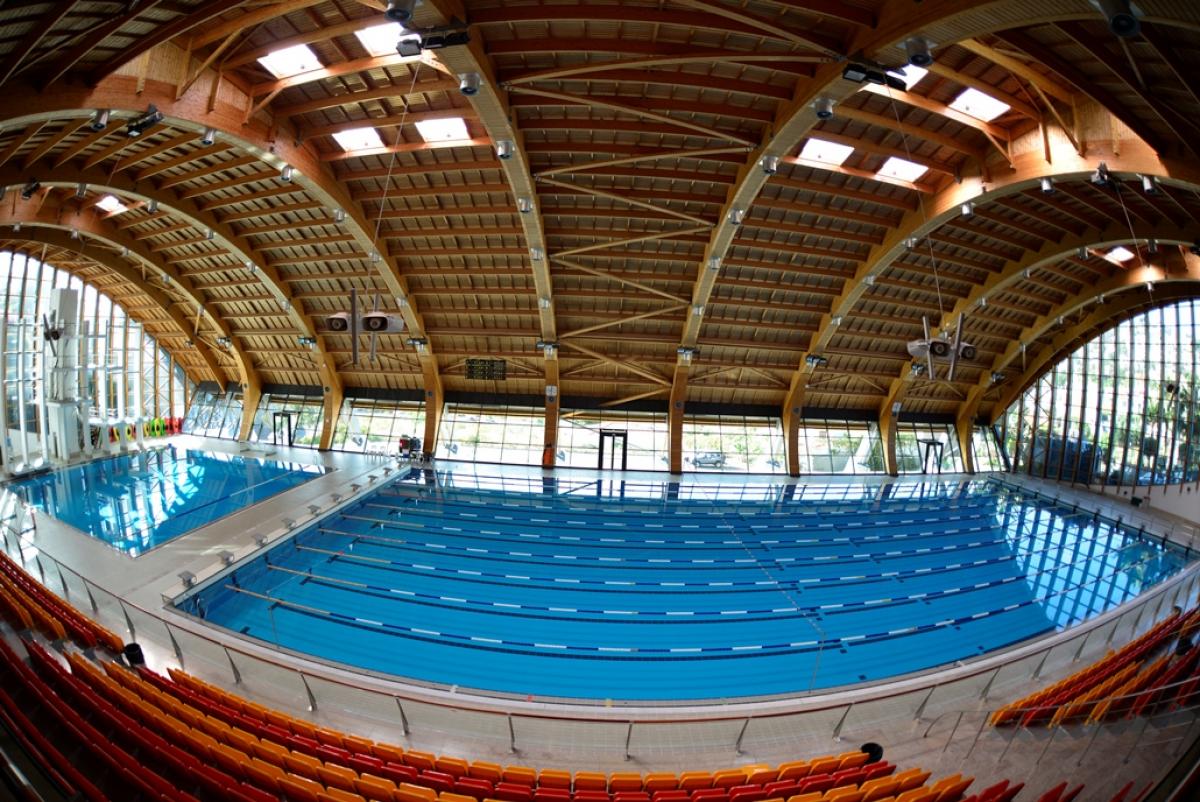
(135, 502)
(671, 592)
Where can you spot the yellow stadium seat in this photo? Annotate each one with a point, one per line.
(825, 765)
(389, 752)
(878, 788)
(845, 793)
(455, 767)
(303, 765)
(661, 781)
(692, 780)
(486, 771)
(519, 774)
(407, 792)
(420, 760)
(300, 789)
(339, 795)
(624, 781)
(554, 778)
(373, 787)
(727, 778)
(909, 779)
(811, 796)
(852, 760)
(794, 770)
(590, 781)
(334, 776)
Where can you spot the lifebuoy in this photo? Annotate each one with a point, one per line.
(157, 427)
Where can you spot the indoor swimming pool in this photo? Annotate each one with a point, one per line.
(668, 591)
(135, 502)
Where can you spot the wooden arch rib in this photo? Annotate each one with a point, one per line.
(33, 213)
(58, 238)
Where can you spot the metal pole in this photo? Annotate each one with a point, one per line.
(312, 700)
(837, 731)
(978, 733)
(1087, 749)
(628, 738)
(403, 718)
(1050, 740)
(62, 580)
(174, 644)
(512, 734)
(737, 747)
(1132, 749)
(237, 675)
(1038, 671)
(921, 708)
(128, 620)
(954, 729)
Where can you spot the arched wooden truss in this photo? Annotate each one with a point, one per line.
(638, 129)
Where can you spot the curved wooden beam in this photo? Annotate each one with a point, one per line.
(59, 238)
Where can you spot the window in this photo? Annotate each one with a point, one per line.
(359, 139)
(508, 434)
(986, 449)
(214, 414)
(927, 448)
(902, 169)
(732, 443)
(281, 417)
(376, 426)
(380, 40)
(579, 436)
(1123, 409)
(290, 61)
(818, 150)
(832, 446)
(122, 370)
(979, 105)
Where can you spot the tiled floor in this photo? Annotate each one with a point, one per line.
(940, 729)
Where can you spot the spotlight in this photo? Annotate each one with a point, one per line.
(1152, 246)
(855, 72)
(138, 125)
(737, 215)
(1121, 19)
(714, 263)
(997, 377)
(224, 342)
(524, 204)
(836, 320)
(339, 215)
(409, 47)
(100, 120)
(769, 164)
(536, 253)
(1102, 177)
(1082, 253)
(544, 303)
(209, 234)
(1048, 186)
(697, 309)
(917, 49)
(1194, 248)
(468, 83)
(504, 149)
(911, 243)
(81, 191)
(152, 206)
(29, 189)
(968, 209)
(1148, 185)
(287, 173)
(685, 354)
(209, 136)
(400, 10)
(816, 361)
(307, 342)
(823, 106)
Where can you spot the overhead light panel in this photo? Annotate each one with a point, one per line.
(289, 61)
(447, 129)
(902, 169)
(979, 105)
(820, 150)
(359, 139)
(111, 204)
(1119, 254)
(380, 40)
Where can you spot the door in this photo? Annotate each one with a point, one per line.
(282, 429)
(612, 450)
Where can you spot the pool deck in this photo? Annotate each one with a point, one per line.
(599, 737)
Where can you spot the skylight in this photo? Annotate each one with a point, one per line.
(1119, 254)
(449, 129)
(290, 61)
(109, 203)
(358, 139)
(979, 105)
(912, 75)
(902, 169)
(818, 150)
(380, 40)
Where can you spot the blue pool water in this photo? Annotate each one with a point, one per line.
(137, 501)
(616, 591)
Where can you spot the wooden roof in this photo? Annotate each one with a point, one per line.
(638, 128)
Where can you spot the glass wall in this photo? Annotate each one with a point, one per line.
(733, 443)
(214, 413)
(376, 426)
(927, 448)
(475, 433)
(641, 437)
(283, 417)
(985, 449)
(119, 370)
(1121, 410)
(834, 446)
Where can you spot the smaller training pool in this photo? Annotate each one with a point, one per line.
(135, 502)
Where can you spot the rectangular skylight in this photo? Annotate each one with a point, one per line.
(979, 105)
(1119, 254)
(902, 169)
(449, 129)
(289, 61)
(818, 150)
(109, 203)
(380, 40)
(358, 139)
(912, 75)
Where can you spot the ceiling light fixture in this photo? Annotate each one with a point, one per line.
(100, 120)
(209, 136)
(823, 106)
(524, 204)
(400, 10)
(1122, 17)
(1048, 186)
(967, 209)
(917, 50)
(769, 164)
(138, 125)
(287, 173)
(30, 188)
(504, 149)
(737, 215)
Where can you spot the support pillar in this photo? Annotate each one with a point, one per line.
(675, 413)
(332, 403)
(793, 405)
(964, 427)
(433, 404)
(887, 436)
(550, 438)
(251, 394)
